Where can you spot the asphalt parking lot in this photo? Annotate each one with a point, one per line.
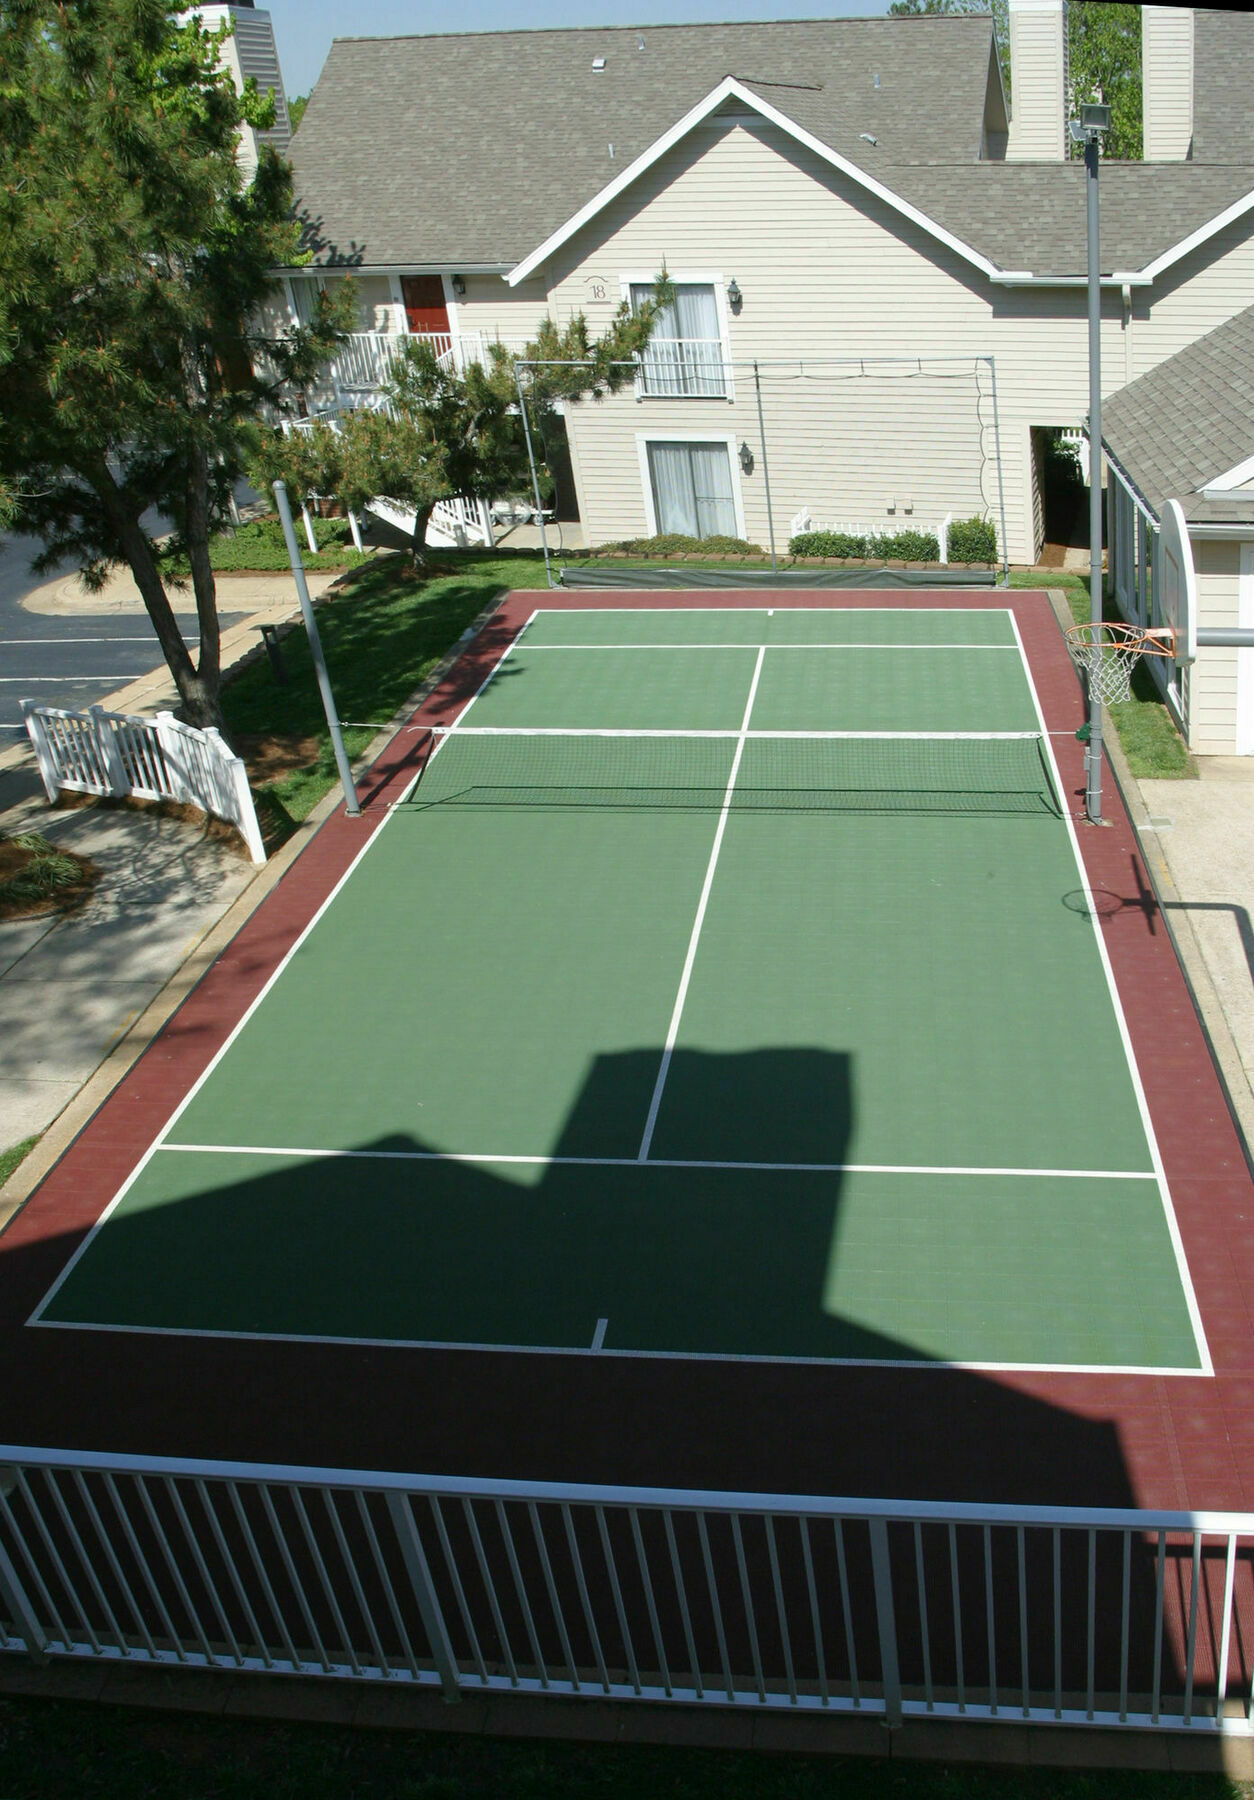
(66, 659)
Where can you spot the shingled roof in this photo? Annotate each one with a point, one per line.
(471, 149)
(1189, 421)
(1223, 80)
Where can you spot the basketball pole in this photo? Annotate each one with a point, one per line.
(1088, 129)
(352, 805)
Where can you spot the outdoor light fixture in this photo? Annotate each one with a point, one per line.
(746, 459)
(735, 298)
(459, 286)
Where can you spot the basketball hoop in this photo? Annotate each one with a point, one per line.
(1108, 654)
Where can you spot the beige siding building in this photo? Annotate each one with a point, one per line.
(879, 267)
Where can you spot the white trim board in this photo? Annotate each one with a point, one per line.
(1236, 477)
(730, 88)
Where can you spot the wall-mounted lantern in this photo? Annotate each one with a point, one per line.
(746, 459)
(735, 299)
(459, 286)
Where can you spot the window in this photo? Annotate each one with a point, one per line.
(684, 357)
(692, 489)
(305, 298)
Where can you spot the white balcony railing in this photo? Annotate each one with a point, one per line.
(674, 368)
(364, 359)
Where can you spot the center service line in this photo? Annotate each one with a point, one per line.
(699, 921)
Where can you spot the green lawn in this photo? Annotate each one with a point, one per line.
(383, 632)
(50, 1748)
(259, 547)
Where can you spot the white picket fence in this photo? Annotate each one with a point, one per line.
(116, 754)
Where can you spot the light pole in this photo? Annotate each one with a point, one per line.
(1087, 130)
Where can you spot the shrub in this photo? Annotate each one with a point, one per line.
(972, 541)
(897, 546)
(1063, 467)
(674, 543)
(905, 546)
(827, 543)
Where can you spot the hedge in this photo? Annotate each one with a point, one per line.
(970, 541)
(674, 543)
(898, 546)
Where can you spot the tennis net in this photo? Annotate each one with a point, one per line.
(777, 771)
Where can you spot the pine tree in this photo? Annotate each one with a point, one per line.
(133, 255)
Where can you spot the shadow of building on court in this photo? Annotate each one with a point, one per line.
(390, 1310)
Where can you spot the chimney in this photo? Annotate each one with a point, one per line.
(1038, 76)
(1167, 82)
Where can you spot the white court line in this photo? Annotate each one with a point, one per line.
(152, 642)
(652, 731)
(208, 1070)
(734, 1356)
(677, 1014)
(598, 1336)
(1147, 1123)
(315, 1153)
(824, 646)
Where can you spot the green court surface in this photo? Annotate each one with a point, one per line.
(599, 1047)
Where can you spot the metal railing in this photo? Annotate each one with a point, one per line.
(364, 359)
(117, 754)
(674, 368)
(885, 1609)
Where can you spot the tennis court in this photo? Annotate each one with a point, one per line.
(720, 988)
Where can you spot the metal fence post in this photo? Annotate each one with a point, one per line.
(886, 1619)
(419, 1571)
(13, 1595)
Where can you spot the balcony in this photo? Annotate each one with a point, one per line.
(364, 359)
(684, 368)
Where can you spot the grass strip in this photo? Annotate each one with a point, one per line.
(1153, 746)
(14, 1156)
(53, 1748)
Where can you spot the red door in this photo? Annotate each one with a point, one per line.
(425, 310)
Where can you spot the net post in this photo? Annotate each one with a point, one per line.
(1001, 486)
(1093, 749)
(766, 473)
(352, 805)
